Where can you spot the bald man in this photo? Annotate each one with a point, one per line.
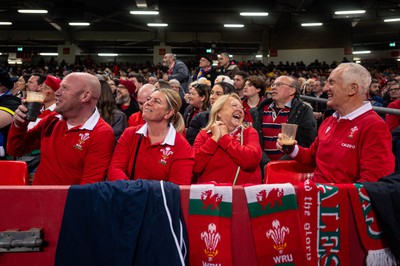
(144, 92)
(76, 144)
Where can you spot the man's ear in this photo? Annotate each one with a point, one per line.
(86, 96)
(353, 89)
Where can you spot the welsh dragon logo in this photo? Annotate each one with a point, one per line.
(210, 200)
(273, 199)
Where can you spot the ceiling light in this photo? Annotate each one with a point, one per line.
(79, 23)
(391, 20)
(358, 61)
(32, 11)
(107, 54)
(138, 12)
(259, 56)
(157, 24)
(5, 23)
(398, 59)
(361, 52)
(233, 25)
(316, 24)
(254, 14)
(49, 54)
(349, 12)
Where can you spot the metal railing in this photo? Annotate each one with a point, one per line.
(380, 110)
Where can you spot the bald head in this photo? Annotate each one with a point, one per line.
(143, 93)
(77, 96)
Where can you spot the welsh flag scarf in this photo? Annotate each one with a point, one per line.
(209, 227)
(324, 214)
(368, 229)
(275, 222)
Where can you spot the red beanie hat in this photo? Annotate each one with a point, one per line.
(52, 82)
(128, 84)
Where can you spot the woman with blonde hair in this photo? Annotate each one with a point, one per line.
(227, 151)
(155, 150)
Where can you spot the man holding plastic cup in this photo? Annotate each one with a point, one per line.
(354, 144)
(285, 106)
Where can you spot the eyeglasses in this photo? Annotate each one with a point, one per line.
(394, 89)
(278, 84)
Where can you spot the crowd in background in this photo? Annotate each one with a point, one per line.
(131, 90)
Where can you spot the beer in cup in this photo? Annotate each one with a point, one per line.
(288, 136)
(34, 103)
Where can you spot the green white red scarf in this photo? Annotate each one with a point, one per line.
(275, 222)
(324, 214)
(370, 233)
(209, 225)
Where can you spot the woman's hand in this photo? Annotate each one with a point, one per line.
(216, 131)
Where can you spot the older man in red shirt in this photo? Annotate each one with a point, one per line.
(354, 144)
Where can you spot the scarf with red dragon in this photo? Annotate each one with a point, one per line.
(209, 225)
(275, 222)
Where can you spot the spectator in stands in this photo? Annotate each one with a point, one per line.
(125, 100)
(199, 95)
(205, 70)
(393, 121)
(393, 90)
(8, 104)
(48, 89)
(308, 87)
(200, 121)
(254, 90)
(225, 67)
(152, 80)
(109, 112)
(354, 144)
(144, 92)
(76, 146)
(223, 78)
(162, 84)
(238, 83)
(285, 106)
(155, 150)
(113, 86)
(373, 93)
(20, 89)
(319, 108)
(35, 81)
(176, 85)
(138, 79)
(227, 151)
(177, 70)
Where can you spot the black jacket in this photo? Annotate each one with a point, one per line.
(197, 123)
(300, 114)
(385, 200)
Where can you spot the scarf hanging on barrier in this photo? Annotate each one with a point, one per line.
(324, 214)
(275, 222)
(333, 228)
(209, 225)
(369, 231)
(307, 195)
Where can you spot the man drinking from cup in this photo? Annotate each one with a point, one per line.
(76, 144)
